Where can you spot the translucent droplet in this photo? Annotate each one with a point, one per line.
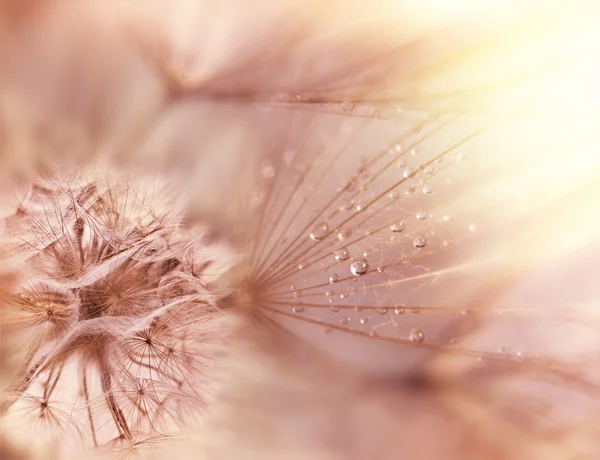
(413, 152)
(300, 266)
(268, 171)
(345, 320)
(401, 163)
(394, 194)
(334, 309)
(419, 242)
(293, 287)
(344, 295)
(473, 228)
(381, 311)
(328, 293)
(359, 267)
(397, 227)
(398, 147)
(364, 320)
(428, 170)
(333, 278)
(427, 189)
(347, 106)
(344, 233)
(342, 254)
(408, 172)
(359, 207)
(380, 269)
(320, 231)
(421, 215)
(416, 335)
(347, 206)
(398, 310)
(297, 309)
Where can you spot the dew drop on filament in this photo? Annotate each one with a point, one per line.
(419, 242)
(397, 227)
(320, 231)
(344, 234)
(342, 254)
(359, 267)
(416, 335)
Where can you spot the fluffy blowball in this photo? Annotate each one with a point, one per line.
(115, 318)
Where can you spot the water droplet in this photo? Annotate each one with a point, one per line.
(347, 206)
(398, 147)
(373, 334)
(342, 254)
(268, 171)
(300, 266)
(333, 278)
(394, 194)
(347, 106)
(344, 295)
(399, 310)
(381, 311)
(416, 335)
(446, 218)
(473, 228)
(359, 267)
(293, 287)
(401, 163)
(320, 231)
(359, 207)
(419, 242)
(427, 189)
(380, 269)
(334, 309)
(428, 170)
(328, 293)
(297, 309)
(344, 233)
(397, 227)
(413, 152)
(408, 172)
(345, 320)
(364, 320)
(421, 215)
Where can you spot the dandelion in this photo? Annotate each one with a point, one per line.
(111, 292)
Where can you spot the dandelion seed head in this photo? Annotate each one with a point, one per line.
(113, 290)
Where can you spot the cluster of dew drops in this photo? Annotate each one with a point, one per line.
(360, 266)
